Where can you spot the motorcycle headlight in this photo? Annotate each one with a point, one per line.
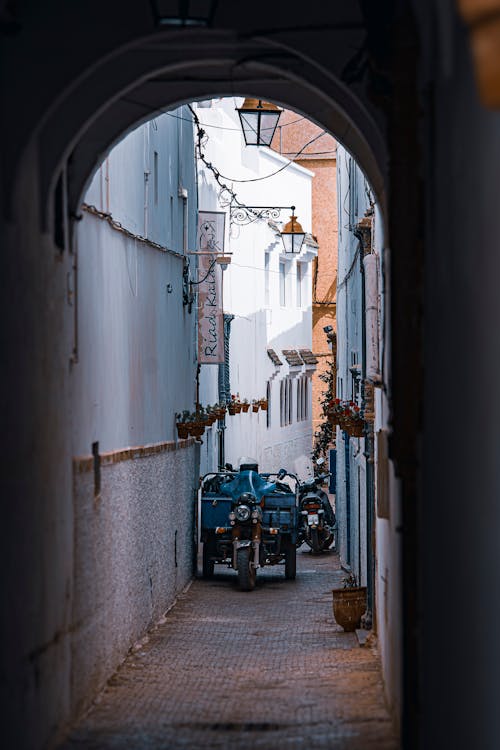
(242, 512)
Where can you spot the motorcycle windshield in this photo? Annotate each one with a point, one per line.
(248, 481)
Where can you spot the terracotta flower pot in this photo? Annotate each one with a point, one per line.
(237, 408)
(263, 405)
(356, 428)
(182, 430)
(197, 429)
(245, 407)
(255, 407)
(348, 607)
(232, 409)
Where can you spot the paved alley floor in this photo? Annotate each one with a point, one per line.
(267, 669)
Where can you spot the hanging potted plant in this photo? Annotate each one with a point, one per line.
(349, 603)
(237, 403)
(352, 421)
(335, 411)
(198, 423)
(231, 407)
(255, 404)
(220, 410)
(183, 425)
(245, 406)
(263, 404)
(211, 416)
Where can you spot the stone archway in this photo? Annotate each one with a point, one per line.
(102, 96)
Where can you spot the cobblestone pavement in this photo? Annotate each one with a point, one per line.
(268, 669)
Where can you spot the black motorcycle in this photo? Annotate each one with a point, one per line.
(317, 523)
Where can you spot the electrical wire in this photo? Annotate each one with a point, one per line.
(267, 176)
(206, 275)
(120, 228)
(221, 127)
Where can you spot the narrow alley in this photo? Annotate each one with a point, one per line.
(239, 240)
(225, 668)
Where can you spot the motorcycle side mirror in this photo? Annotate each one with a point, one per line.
(320, 461)
(282, 474)
(229, 467)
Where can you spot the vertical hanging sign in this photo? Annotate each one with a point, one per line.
(211, 226)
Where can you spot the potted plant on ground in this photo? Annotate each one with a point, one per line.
(349, 603)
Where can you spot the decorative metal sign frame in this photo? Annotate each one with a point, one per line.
(241, 215)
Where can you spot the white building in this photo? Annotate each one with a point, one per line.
(367, 500)
(268, 294)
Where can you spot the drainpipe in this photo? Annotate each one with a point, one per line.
(146, 179)
(363, 233)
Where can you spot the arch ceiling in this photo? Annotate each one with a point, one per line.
(125, 67)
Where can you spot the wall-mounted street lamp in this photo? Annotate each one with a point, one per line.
(259, 121)
(292, 234)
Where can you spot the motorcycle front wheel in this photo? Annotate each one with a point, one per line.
(246, 571)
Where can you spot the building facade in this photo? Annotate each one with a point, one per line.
(267, 302)
(307, 144)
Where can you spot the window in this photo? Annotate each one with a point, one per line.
(282, 283)
(266, 279)
(282, 403)
(355, 376)
(302, 398)
(300, 276)
(286, 402)
(171, 221)
(155, 177)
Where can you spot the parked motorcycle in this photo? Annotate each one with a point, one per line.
(247, 522)
(317, 523)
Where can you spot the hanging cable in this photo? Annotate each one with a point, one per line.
(206, 275)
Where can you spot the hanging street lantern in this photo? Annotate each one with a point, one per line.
(292, 234)
(179, 12)
(258, 121)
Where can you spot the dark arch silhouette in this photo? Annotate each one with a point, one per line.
(128, 87)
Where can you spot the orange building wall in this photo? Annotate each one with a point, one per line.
(293, 133)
